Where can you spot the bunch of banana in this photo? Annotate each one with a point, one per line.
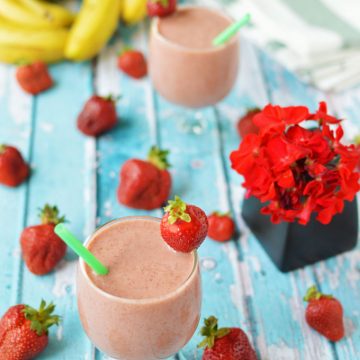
(32, 30)
(93, 27)
(132, 11)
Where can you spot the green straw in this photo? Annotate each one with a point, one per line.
(230, 31)
(80, 249)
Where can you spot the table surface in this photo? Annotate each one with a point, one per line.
(240, 284)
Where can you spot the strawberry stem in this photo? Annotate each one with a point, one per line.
(50, 215)
(112, 98)
(164, 3)
(2, 148)
(314, 294)
(125, 49)
(222, 213)
(41, 319)
(158, 157)
(211, 332)
(176, 210)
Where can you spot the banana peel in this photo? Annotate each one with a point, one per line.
(93, 27)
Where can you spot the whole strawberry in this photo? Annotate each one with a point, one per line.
(132, 63)
(145, 184)
(24, 331)
(161, 7)
(324, 314)
(34, 78)
(41, 248)
(225, 343)
(13, 168)
(221, 226)
(246, 125)
(97, 116)
(184, 227)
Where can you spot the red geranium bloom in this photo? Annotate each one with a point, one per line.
(297, 171)
(322, 116)
(277, 117)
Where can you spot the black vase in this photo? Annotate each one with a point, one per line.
(292, 246)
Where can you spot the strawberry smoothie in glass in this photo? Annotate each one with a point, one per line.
(148, 305)
(184, 65)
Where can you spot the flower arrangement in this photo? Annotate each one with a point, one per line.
(296, 171)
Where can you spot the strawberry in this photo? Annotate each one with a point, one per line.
(324, 314)
(184, 227)
(161, 7)
(41, 248)
(132, 63)
(225, 343)
(13, 169)
(246, 125)
(34, 78)
(145, 184)
(24, 331)
(221, 226)
(97, 116)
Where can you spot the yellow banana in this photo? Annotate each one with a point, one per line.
(133, 11)
(55, 14)
(12, 10)
(93, 27)
(16, 55)
(21, 44)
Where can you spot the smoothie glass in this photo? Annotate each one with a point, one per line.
(138, 328)
(193, 76)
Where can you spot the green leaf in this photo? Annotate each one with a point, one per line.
(177, 211)
(42, 319)
(158, 158)
(50, 215)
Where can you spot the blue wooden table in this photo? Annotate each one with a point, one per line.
(79, 174)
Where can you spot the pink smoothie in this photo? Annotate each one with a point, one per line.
(148, 306)
(184, 66)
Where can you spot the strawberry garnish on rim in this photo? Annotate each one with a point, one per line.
(183, 227)
(161, 7)
(177, 211)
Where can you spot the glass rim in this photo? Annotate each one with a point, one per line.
(134, 300)
(154, 31)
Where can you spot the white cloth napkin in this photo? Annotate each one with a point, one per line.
(318, 39)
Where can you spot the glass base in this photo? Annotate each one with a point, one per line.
(191, 122)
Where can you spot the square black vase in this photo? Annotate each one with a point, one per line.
(292, 246)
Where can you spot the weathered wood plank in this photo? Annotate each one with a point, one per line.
(15, 129)
(58, 155)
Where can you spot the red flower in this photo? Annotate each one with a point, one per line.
(277, 117)
(322, 116)
(297, 171)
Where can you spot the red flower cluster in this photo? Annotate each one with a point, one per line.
(297, 171)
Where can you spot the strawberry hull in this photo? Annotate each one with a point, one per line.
(292, 246)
